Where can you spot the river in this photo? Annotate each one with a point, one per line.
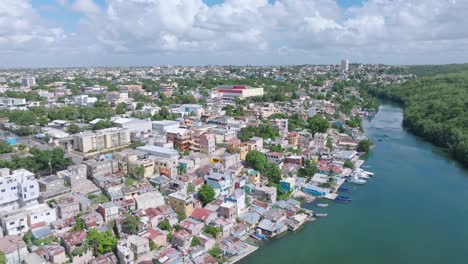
(415, 209)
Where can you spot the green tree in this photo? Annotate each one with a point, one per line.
(364, 145)
(139, 106)
(195, 241)
(318, 124)
(5, 147)
(102, 124)
(348, 164)
(165, 225)
(2, 258)
(73, 128)
(152, 245)
(101, 242)
(130, 224)
(256, 160)
(206, 194)
(272, 172)
(79, 224)
(213, 231)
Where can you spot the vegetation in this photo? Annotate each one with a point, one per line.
(5, 147)
(364, 145)
(165, 225)
(212, 230)
(264, 131)
(217, 253)
(435, 108)
(98, 198)
(256, 160)
(73, 128)
(308, 170)
(348, 164)
(38, 162)
(130, 224)
(317, 124)
(101, 242)
(195, 241)
(79, 224)
(272, 172)
(206, 194)
(2, 258)
(102, 124)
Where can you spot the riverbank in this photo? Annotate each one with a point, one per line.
(399, 217)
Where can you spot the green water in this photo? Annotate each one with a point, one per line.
(415, 210)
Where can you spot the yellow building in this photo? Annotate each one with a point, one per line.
(182, 203)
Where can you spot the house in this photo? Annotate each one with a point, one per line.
(270, 228)
(287, 185)
(18, 188)
(14, 248)
(53, 253)
(158, 236)
(194, 227)
(237, 197)
(93, 219)
(233, 246)
(40, 215)
(315, 190)
(15, 222)
(225, 225)
(108, 258)
(205, 259)
(204, 215)
(74, 240)
(170, 256)
(156, 215)
(265, 193)
(220, 181)
(207, 242)
(124, 253)
(181, 240)
(108, 211)
(228, 210)
(149, 199)
(182, 203)
(138, 245)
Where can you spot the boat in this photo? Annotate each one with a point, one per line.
(344, 197)
(321, 215)
(342, 189)
(322, 205)
(356, 180)
(342, 201)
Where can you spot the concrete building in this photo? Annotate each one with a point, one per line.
(134, 125)
(320, 139)
(115, 98)
(149, 200)
(182, 203)
(84, 100)
(180, 137)
(15, 222)
(14, 248)
(161, 127)
(228, 210)
(101, 140)
(205, 144)
(40, 215)
(28, 82)
(17, 188)
(76, 177)
(13, 103)
(159, 151)
(280, 124)
(239, 91)
(344, 65)
(109, 211)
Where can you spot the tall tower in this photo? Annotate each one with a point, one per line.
(344, 65)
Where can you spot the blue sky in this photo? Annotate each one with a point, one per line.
(181, 32)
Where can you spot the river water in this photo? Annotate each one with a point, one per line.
(415, 209)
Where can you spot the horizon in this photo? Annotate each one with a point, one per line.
(113, 33)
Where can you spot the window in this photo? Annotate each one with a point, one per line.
(32, 186)
(13, 188)
(35, 217)
(3, 190)
(47, 213)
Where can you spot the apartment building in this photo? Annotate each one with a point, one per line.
(17, 188)
(101, 140)
(239, 91)
(205, 144)
(180, 137)
(182, 203)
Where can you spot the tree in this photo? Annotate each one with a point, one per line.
(73, 128)
(101, 242)
(308, 170)
(195, 241)
(364, 145)
(206, 194)
(152, 244)
(130, 224)
(256, 160)
(212, 230)
(5, 147)
(348, 164)
(317, 124)
(2, 258)
(165, 225)
(139, 106)
(272, 172)
(79, 224)
(329, 144)
(102, 124)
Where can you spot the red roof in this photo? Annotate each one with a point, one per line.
(201, 214)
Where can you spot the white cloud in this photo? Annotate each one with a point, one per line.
(255, 30)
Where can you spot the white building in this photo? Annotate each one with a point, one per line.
(13, 103)
(320, 139)
(134, 125)
(28, 81)
(344, 65)
(17, 188)
(40, 215)
(15, 222)
(161, 127)
(84, 100)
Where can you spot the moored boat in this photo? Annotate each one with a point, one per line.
(322, 205)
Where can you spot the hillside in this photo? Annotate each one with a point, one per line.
(435, 108)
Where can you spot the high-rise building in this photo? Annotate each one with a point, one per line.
(18, 188)
(28, 81)
(101, 140)
(344, 65)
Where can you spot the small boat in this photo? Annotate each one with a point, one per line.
(322, 205)
(321, 215)
(344, 197)
(342, 189)
(356, 180)
(342, 201)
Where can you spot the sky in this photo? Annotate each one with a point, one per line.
(56, 33)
